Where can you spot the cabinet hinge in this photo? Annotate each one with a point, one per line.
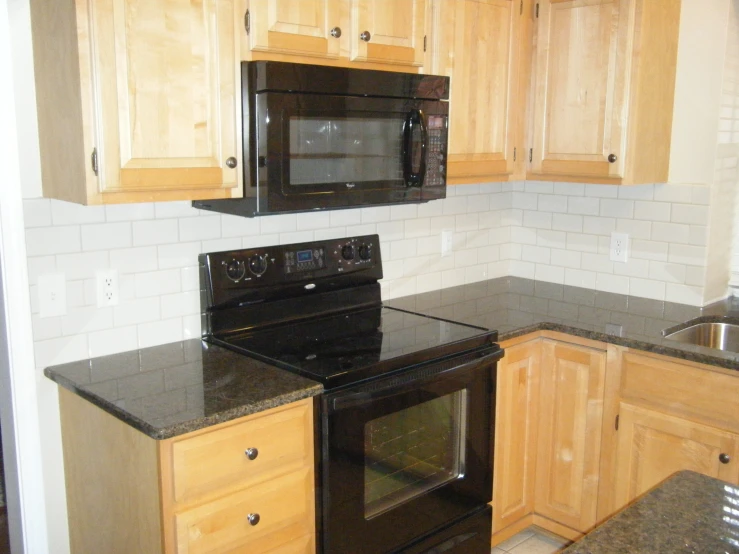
(94, 160)
(616, 422)
(514, 154)
(537, 11)
(520, 11)
(531, 155)
(247, 22)
(424, 43)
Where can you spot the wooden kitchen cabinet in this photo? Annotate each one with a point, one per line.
(376, 34)
(483, 45)
(653, 445)
(604, 84)
(138, 100)
(570, 420)
(515, 435)
(198, 492)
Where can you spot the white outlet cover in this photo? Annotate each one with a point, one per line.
(447, 242)
(619, 251)
(106, 282)
(52, 295)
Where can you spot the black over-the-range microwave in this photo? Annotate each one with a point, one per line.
(318, 138)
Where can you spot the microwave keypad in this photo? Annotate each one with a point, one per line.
(435, 162)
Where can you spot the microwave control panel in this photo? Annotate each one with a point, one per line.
(436, 157)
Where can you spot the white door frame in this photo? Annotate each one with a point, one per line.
(18, 396)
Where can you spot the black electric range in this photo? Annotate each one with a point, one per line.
(409, 391)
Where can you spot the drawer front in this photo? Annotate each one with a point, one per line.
(678, 388)
(286, 513)
(209, 462)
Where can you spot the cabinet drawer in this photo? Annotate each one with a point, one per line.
(285, 508)
(681, 389)
(208, 462)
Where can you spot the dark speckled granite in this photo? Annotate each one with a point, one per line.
(688, 513)
(176, 388)
(517, 306)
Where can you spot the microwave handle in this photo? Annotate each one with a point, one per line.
(415, 117)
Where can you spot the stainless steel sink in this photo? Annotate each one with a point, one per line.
(722, 336)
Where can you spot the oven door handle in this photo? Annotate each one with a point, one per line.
(415, 117)
(408, 381)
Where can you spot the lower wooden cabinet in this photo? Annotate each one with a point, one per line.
(244, 485)
(652, 446)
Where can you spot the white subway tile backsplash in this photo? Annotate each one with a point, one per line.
(134, 260)
(538, 220)
(235, 226)
(670, 232)
(518, 268)
(550, 273)
(129, 212)
(202, 228)
(156, 283)
(414, 228)
(689, 213)
(106, 236)
(582, 243)
(569, 189)
(159, 332)
(635, 228)
(375, 214)
(110, 341)
(607, 282)
(86, 319)
(135, 311)
(455, 205)
(82, 266)
(465, 258)
(566, 222)
(689, 255)
(617, 208)
(552, 203)
(37, 212)
(649, 250)
(525, 201)
(221, 245)
(167, 210)
(544, 187)
(313, 220)
(636, 192)
(598, 263)
(67, 213)
(667, 272)
(162, 231)
(646, 288)
(60, 350)
(46, 328)
(584, 206)
(180, 304)
(598, 225)
(673, 193)
(403, 212)
(523, 235)
(41, 241)
(580, 278)
(191, 327)
(182, 254)
(652, 211)
(304, 236)
(684, 294)
(566, 258)
(602, 191)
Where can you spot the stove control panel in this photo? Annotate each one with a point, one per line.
(228, 274)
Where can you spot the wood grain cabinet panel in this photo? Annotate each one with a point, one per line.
(652, 446)
(570, 420)
(395, 31)
(479, 43)
(295, 27)
(515, 434)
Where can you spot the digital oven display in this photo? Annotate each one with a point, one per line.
(305, 256)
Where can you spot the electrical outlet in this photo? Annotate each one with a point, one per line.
(619, 247)
(447, 242)
(52, 295)
(107, 287)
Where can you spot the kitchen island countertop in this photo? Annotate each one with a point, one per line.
(688, 513)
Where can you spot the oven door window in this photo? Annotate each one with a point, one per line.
(412, 451)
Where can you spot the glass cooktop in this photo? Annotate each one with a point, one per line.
(350, 347)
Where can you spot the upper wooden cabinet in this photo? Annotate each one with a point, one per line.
(151, 96)
(570, 421)
(295, 27)
(375, 33)
(604, 84)
(483, 46)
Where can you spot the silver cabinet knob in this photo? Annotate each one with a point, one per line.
(232, 162)
(253, 519)
(251, 453)
(336, 32)
(365, 36)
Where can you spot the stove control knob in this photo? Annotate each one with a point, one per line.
(365, 251)
(258, 264)
(235, 270)
(347, 252)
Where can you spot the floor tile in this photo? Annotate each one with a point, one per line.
(538, 544)
(515, 540)
(497, 551)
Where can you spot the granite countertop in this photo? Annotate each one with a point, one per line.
(516, 306)
(688, 513)
(180, 387)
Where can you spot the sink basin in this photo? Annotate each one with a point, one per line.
(722, 336)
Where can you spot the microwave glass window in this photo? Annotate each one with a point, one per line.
(412, 451)
(343, 150)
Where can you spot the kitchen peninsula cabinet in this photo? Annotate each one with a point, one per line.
(244, 484)
(377, 34)
(604, 87)
(138, 100)
(484, 46)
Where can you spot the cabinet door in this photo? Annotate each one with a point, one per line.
(167, 90)
(583, 63)
(295, 26)
(515, 434)
(393, 31)
(570, 418)
(481, 53)
(652, 446)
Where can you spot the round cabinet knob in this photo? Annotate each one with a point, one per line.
(253, 519)
(612, 158)
(365, 252)
(336, 32)
(347, 252)
(257, 265)
(724, 458)
(235, 270)
(365, 36)
(251, 453)
(232, 162)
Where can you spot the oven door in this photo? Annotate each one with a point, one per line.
(317, 152)
(405, 455)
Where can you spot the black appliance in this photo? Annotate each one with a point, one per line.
(319, 137)
(406, 421)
